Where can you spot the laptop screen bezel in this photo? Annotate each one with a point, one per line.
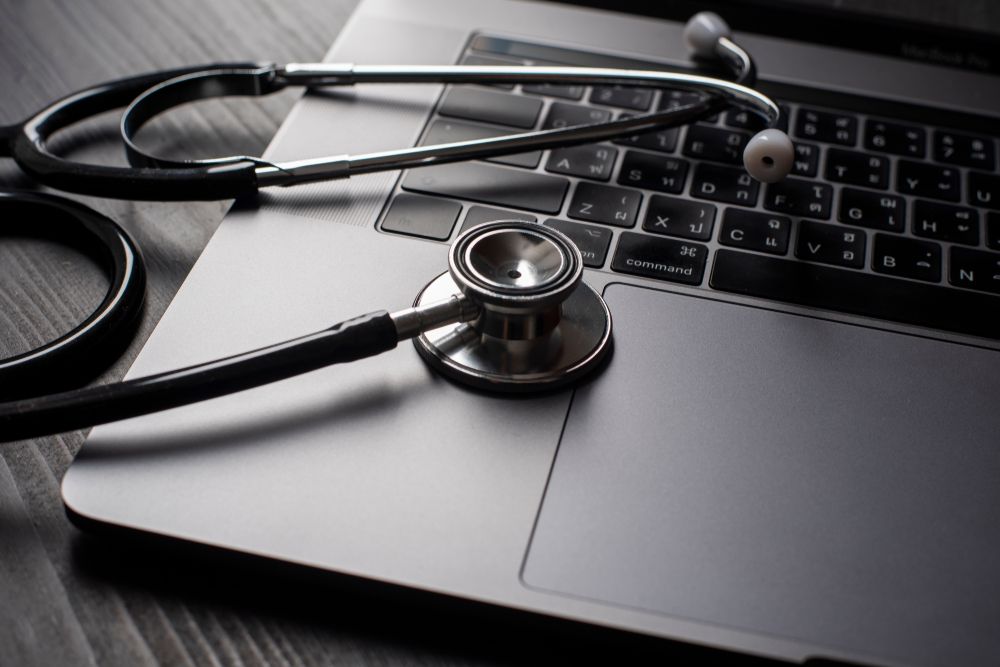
(914, 40)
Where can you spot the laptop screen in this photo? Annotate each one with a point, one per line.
(958, 33)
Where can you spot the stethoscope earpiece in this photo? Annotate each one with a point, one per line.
(769, 155)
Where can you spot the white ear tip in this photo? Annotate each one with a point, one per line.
(769, 156)
(703, 31)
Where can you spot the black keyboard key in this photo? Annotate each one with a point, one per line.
(834, 128)
(831, 244)
(491, 106)
(927, 180)
(964, 149)
(567, 92)
(907, 258)
(486, 60)
(605, 204)
(716, 144)
(755, 231)
(744, 119)
(993, 230)
(592, 241)
(490, 184)
(797, 197)
(477, 215)
(725, 184)
(874, 210)
(654, 172)
(562, 114)
(865, 294)
(679, 217)
(806, 159)
(945, 223)
(908, 140)
(671, 99)
(976, 269)
(662, 259)
(984, 190)
(586, 161)
(426, 217)
(622, 96)
(857, 168)
(663, 140)
(446, 131)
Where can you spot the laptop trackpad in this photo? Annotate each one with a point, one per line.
(785, 475)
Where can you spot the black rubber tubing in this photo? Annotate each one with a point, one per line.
(352, 339)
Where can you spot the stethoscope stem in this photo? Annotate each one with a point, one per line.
(356, 338)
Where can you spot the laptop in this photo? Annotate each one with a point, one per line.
(794, 451)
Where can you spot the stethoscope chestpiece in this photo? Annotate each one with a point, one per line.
(539, 326)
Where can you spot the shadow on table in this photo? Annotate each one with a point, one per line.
(435, 627)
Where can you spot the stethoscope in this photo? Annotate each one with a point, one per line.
(511, 314)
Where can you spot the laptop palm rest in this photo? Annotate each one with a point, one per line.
(783, 475)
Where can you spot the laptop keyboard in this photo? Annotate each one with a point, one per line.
(883, 216)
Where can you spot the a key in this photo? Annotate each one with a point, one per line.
(477, 215)
(605, 204)
(679, 217)
(945, 223)
(993, 230)
(444, 131)
(654, 172)
(586, 161)
(895, 138)
(797, 197)
(664, 140)
(427, 217)
(874, 210)
(927, 180)
(857, 168)
(592, 241)
(716, 144)
(964, 149)
(908, 258)
(490, 184)
(831, 244)
(866, 294)
(984, 190)
(491, 106)
(975, 269)
(755, 231)
(725, 184)
(832, 128)
(567, 92)
(659, 258)
(622, 96)
(806, 159)
(562, 114)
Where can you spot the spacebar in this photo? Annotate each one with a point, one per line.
(490, 185)
(857, 293)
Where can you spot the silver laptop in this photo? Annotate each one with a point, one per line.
(794, 451)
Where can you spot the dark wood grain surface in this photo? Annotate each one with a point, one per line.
(66, 599)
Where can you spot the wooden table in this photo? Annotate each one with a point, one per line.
(66, 599)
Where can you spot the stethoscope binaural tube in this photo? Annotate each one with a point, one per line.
(768, 156)
(517, 318)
